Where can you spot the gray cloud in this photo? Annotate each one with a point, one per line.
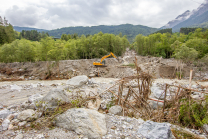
(63, 13)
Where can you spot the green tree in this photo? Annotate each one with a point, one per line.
(185, 54)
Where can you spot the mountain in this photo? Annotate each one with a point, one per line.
(19, 29)
(178, 20)
(189, 18)
(126, 29)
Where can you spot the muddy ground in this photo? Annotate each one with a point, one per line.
(65, 69)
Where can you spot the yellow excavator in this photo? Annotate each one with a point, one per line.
(102, 61)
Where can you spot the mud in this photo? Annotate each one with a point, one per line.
(65, 69)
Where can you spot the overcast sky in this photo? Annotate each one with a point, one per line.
(52, 14)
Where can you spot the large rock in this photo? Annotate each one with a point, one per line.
(4, 113)
(116, 110)
(153, 130)
(77, 81)
(89, 123)
(54, 98)
(27, 115)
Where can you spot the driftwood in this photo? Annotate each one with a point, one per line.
(137, 96)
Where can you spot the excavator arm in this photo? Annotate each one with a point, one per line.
(104, 57)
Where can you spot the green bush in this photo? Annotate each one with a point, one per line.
(194, 114)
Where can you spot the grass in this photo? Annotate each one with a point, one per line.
(132, 65)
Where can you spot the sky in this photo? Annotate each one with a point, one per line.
(53, 14)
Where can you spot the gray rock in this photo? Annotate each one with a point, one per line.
(89, 123)
(116, 110)
(54, 98)
(77, 81)
(4, 113)
(5, 124)
(157, 92)
(154, 130)
(155, 104)
(205, 128)
(35, 98)
(27, 115)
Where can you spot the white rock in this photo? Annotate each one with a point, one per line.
(5, 124)
(91, 123)
(77, 81)
(16, 87)
(27, 115)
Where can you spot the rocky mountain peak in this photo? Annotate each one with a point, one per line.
(187, 15)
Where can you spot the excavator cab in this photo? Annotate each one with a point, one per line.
(102, 61)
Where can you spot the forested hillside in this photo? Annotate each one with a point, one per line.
(127, 29)
(184, 47)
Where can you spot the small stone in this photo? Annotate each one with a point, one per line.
(22, 123)
(15, 122)
(10, 127)
(10, 117)
(113, 127)
(116, 110)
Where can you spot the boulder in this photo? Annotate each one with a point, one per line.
(154, 104)
(54, 98)
(154, 130)
(4, 113)
(89, 123)
(77, 81)
(27, 115)
(116, 110)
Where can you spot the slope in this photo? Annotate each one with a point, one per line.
(126, 29)
(192, 21)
